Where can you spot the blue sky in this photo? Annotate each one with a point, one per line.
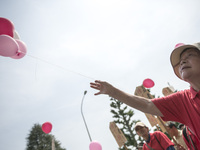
(71, 43)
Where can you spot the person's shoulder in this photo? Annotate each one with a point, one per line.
(185, 91)
(184, 94)
(158, 132)
(158, 135)
(181, 93)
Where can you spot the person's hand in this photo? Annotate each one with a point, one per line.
(103, 87)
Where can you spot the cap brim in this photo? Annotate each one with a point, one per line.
(139, 124)
(175, 57)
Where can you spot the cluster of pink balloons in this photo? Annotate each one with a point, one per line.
(94, 145)
(10, 43)
(47, 127)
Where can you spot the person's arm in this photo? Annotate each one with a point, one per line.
(143, 104)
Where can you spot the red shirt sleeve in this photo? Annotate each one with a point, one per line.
(173, 107)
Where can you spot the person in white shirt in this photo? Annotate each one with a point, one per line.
(176, 134)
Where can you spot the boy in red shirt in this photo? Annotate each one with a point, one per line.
(156, 140)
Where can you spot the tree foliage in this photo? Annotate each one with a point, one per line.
(124, 118)
(38, 140)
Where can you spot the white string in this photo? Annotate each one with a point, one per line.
(36, 69)
(59, 66)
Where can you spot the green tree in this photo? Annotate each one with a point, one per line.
(38, 140)
(123, 117)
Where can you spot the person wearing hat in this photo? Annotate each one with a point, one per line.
(153, 141)
(177, 135)
(182, 106)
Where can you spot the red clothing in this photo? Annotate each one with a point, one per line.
(183, 107)
(190, 136)
(162, 138)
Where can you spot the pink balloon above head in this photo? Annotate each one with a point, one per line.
(94, 145)
(47, 127)
(22, 50)
(6, 27)
(8, 46)
(179, 44)
(148, 83)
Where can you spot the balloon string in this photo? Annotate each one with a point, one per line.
(36, 69)
(60, 67)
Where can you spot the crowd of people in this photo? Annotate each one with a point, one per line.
(158, 140)
(182, 106)
(182, 138)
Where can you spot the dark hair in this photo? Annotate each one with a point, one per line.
(180, 126)
(171, 125)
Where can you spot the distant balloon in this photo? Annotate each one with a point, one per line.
(6, 27)
(94, 145)
(46, 127)
(22, 50)
(179, 44)
(148, 83)
(8, 46)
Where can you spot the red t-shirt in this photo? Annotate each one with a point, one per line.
(162, 138)
(183, 107)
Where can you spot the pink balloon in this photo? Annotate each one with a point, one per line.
(94, 145)
(8, 46)
(22, 50)
(47, 127)
(148, 83)
(6, 27)
(179, 44)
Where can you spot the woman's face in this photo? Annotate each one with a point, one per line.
(189, 67)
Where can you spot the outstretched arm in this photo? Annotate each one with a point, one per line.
(143, 104)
